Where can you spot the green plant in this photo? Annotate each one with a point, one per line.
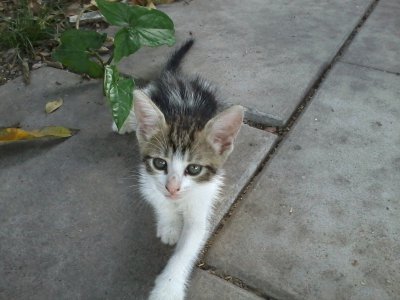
(140, 26)
(22, 29)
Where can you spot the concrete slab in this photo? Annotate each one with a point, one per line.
(206, 286)
(377, 44)
(322, 221)
(263, 54)
(72, 225)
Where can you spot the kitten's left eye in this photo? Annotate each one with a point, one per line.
(193, 170)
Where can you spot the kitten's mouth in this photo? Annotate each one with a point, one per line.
(173, 197)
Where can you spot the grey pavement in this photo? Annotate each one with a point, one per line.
(321, 219)
(263, 54)
(377, 44)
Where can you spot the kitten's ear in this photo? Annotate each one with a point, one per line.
(222, 130)
(149, 118)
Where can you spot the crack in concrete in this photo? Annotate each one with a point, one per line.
(369, 67)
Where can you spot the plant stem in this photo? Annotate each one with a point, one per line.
(110, 58)
(97, 56)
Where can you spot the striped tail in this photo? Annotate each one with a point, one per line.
(176, 58)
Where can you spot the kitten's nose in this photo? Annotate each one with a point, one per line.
(173, 185)
(172, 189)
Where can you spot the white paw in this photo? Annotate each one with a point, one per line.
(169, 233)
(167, 289)
(114, 127)
(124, 129)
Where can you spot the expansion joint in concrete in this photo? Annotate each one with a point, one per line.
(309, 95)
(233, 280)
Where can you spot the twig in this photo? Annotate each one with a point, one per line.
(78, 18)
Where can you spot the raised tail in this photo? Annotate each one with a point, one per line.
(176, 58)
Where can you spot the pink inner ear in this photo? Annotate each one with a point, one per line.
(224, 128)
(223, 144)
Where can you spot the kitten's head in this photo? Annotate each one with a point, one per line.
(180, 155)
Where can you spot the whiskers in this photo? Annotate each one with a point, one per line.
(134, 182)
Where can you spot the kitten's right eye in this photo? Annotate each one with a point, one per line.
(159, 164)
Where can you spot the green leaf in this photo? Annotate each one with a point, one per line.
(119, 93)
(74, 51)
(141, 27)
(115, 13)
(127, 42)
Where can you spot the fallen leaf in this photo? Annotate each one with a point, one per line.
(54, 64)
(53, 105)
(73, 9)
(8, 135)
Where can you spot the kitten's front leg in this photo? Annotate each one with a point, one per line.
(171, 283)
(169, 224)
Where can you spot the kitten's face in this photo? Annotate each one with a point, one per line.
(178, 167)
(179, 159)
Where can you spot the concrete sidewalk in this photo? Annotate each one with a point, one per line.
(321, 219)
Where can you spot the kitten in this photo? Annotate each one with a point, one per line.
(184, 143)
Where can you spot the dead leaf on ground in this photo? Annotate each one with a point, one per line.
(9, 135)
(53, 105)
(54, 64)
(73, 9)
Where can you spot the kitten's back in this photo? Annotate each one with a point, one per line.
(187, 100)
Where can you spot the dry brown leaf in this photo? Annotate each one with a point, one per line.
(8, 135)
(54, 64)
(53, 105)
(73, 9)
